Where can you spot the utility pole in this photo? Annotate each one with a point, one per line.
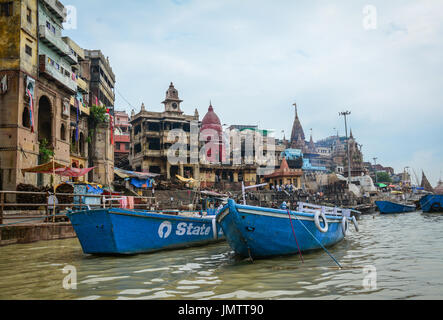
(375, 167)
(345, 114)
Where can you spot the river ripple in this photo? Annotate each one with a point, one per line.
(406, 251)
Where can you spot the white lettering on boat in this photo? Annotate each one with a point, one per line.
(168, 226)
(191, 230)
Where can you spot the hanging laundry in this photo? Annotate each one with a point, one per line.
(123, 202)
(130, 202)
(31, 109)
(78, 120)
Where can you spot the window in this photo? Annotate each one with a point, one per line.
(26, 118)
(6, 9)
(29, 15)
(28, 50)
(63, 132)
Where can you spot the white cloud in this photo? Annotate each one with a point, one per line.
(254, 59)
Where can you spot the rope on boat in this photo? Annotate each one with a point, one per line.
(332, 257)
(293, 232)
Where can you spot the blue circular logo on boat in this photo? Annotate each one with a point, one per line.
(161, 230)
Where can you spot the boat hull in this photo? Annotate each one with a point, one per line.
(263, 232)
(386, 207)
(432, 203)
(117, 231)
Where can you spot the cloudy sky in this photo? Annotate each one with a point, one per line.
(254, 59)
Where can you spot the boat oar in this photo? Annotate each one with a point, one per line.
(323, 247)
(293, 232)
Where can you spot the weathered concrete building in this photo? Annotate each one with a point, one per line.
(102, 79)
(122, 135)
(217, 163)
(33, 56)
(101, 92)
(79, 110)
(210, 159)
(42, 75)
(149, 138)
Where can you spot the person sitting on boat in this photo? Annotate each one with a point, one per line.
(284, 206)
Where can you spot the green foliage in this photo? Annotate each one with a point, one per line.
(97, 116)
(383, 177)
(45, 152)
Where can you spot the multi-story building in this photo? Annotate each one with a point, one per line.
(149, 138)
(212, 160)
(102, 79)
(35, 65)
(101, 92)
(122, 135)
(42, 75)
(79, 109)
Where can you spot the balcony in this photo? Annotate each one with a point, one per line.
(51, 72)
(56, 8)
(57, 44)
(83, 109)
(153, 153)
(82, 86)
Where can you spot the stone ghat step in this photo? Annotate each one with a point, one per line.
(28, 233)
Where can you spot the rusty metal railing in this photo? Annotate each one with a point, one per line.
(106, 201)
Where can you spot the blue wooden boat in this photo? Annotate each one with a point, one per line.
(394, 207)
(258, 232)
(119, 231)
(432, 203)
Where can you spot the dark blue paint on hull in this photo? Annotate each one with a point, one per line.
(432, 203)
(261, 232)
(392, 207)
(117, 231)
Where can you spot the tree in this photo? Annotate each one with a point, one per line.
(383, 177)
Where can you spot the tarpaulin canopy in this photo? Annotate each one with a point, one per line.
(73, 172)
(132, 174)
(54, 167)
(192, 182)
(141, 183)
(45, 168)
(382, 185)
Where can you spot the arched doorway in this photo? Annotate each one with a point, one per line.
(44, 120)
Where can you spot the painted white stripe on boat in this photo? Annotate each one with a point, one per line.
(214, 228)
(281, 215)
(222, 215)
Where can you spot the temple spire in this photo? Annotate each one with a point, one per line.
(296, 111)
(297, 134)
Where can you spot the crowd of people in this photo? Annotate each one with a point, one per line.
(285, 187)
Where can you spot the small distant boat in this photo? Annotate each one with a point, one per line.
(258, 232)
(394, 207)
(118, 231)
(432, 203)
